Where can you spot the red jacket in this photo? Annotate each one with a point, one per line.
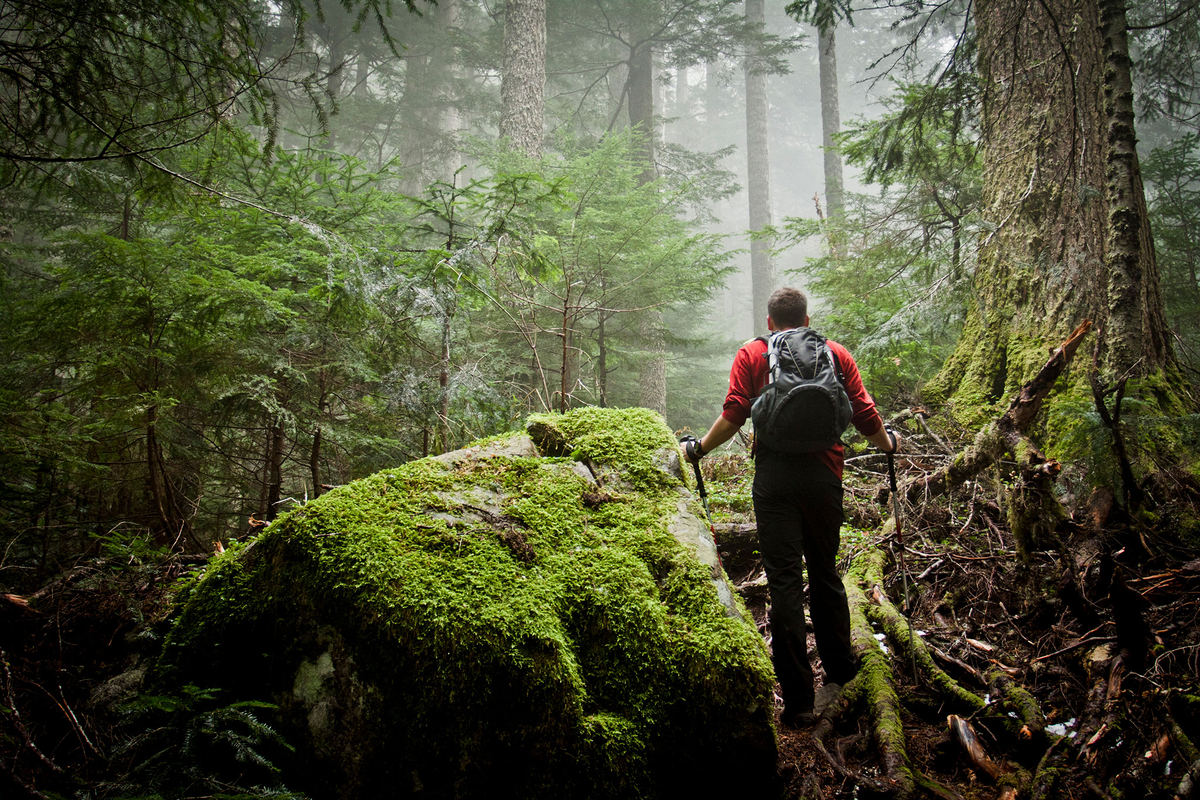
(748, 376)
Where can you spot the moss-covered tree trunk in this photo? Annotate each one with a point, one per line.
(1068, 238)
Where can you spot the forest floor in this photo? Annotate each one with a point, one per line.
(1100, 629)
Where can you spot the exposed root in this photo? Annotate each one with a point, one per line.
(1024, 705)
(902, 635)
(879, 688)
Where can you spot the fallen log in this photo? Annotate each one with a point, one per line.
(736, 540)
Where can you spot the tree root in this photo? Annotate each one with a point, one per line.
(875, 687)
(875, 682)
(904, 638)
(1026, 707)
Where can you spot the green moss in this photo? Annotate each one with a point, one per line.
(510, 615)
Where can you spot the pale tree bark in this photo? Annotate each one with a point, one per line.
(652, 383)
(758, 182)
(523, 82)
(712, 92)
(831, 123)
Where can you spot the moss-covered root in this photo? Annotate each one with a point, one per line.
(1029, 713)
(878, 685)
(1050, 769)
(852, 697)
(1189, 784)
(902, 635)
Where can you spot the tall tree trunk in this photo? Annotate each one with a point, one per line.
(431, 120)
(683, 96)
(443, 437)
(831, 123)
(1136, 325)
(446, 64)
(164, 536)
(1039, 271)
(275, 468)
(314, 456)
(641, 105)
(652, 383)
(523, 79)
(1067, 239)
(762, 276)
(712, 93)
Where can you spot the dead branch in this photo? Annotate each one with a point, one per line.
(15, 716)
(968, 741)
(1005, 434)
(1133, 492)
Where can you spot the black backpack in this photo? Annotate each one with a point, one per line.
(804, 407)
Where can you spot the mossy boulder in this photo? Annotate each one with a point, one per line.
(539, 615)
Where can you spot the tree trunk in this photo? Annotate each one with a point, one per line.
(652, 382)
(275, 469)
(1059, 226)
(431, 121)
(712, 93)
(523, 83)
(831, 123)
(1136, 325)
(762, 278)
(641, 105)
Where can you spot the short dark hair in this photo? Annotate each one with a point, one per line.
(788, 307)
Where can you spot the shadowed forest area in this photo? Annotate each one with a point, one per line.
(254, 252)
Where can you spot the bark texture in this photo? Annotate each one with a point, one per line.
(831, 122)
(523, 83)
(653, 376)
(1067, 239)
(758, 171)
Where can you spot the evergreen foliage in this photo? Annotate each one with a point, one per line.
(1172, 174)
(896, 273)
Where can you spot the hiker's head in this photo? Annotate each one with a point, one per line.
(787, 308)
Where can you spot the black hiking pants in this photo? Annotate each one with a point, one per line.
(798, 506)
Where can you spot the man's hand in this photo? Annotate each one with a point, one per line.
(692, 449)
(893, 439)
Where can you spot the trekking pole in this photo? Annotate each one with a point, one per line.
(700, 486)
(891, 459)
(703, 496)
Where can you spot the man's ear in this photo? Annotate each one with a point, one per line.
(770, 323)
(806, 320)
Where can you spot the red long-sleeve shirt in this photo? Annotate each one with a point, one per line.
(748, 376)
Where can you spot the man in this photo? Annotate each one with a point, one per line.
(798, 506)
